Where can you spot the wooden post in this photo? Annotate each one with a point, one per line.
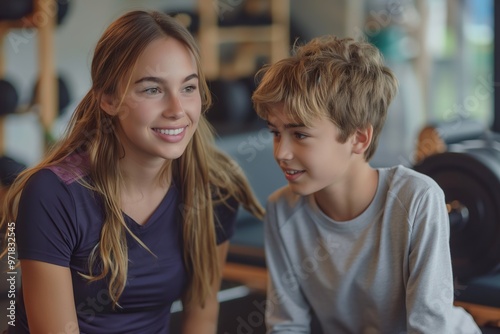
(45, 13)
(3, 33)
(280, 42)
(208, 37)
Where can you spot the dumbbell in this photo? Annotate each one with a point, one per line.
(63, 94)
(17, 9)
(9, 98)
(9, 170)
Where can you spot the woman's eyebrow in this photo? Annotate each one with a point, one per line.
(162, 81)
(150, 78)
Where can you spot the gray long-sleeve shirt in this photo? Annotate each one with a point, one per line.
(386, 271)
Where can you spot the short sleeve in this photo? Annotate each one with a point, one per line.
(46, 221)
(225, 219)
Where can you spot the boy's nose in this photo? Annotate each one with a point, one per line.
(282, 150)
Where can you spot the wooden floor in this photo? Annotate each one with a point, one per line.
(256, 278)
(483, 315)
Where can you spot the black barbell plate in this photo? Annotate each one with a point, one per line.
(472, 178)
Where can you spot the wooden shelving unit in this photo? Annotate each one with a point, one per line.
(43, 19)
(251, 41)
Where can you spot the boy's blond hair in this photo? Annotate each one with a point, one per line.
(342, 79)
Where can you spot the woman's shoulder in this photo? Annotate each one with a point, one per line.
(73, 168)
(59, 180)
(44, 179)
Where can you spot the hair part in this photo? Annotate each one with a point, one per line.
(343, 80)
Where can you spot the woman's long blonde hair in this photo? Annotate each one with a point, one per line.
(204, 174)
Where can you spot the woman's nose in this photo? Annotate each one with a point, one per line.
(173, 108)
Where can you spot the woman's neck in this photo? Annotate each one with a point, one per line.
(141, 176)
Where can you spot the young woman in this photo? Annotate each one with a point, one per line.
(133, 208)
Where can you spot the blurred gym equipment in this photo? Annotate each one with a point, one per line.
(42, 15)
(8, 98)
(469, 174)
(9, 170)
(63, 95)
(463, 157)
(435, 138)
(188, 18)
(11, 10)
(15, 9)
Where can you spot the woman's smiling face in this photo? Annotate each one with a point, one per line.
(162, 105)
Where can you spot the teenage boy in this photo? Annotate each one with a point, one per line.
(364, 249)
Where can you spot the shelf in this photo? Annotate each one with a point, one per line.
(44, 11)
(211, 36)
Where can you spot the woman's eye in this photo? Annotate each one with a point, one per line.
(275, 133)
(152, 91)
(190, 89)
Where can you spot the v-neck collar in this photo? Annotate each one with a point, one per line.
(165, 203)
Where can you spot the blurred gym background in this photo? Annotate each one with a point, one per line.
(442, 122)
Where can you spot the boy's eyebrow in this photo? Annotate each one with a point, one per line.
(287, 126)
(162, 81)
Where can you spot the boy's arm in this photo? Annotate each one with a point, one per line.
(429, 290)
(286, 308)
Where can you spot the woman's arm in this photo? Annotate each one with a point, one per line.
(198, 320)
(48, 297)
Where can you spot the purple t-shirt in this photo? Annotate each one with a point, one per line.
(60, 221)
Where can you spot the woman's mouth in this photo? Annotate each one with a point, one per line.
(170, 135)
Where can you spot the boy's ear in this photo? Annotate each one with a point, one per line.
(362, 139)
(108, 104)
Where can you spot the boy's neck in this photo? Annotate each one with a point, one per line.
(347, 201)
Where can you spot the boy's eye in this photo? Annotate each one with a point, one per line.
(299, 135)
(275, 133)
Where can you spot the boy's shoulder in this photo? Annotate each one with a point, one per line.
(285, 202)
(405, 182)
(284, 196)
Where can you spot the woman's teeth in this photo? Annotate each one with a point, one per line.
(170, 132)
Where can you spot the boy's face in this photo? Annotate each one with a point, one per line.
(311, 157)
